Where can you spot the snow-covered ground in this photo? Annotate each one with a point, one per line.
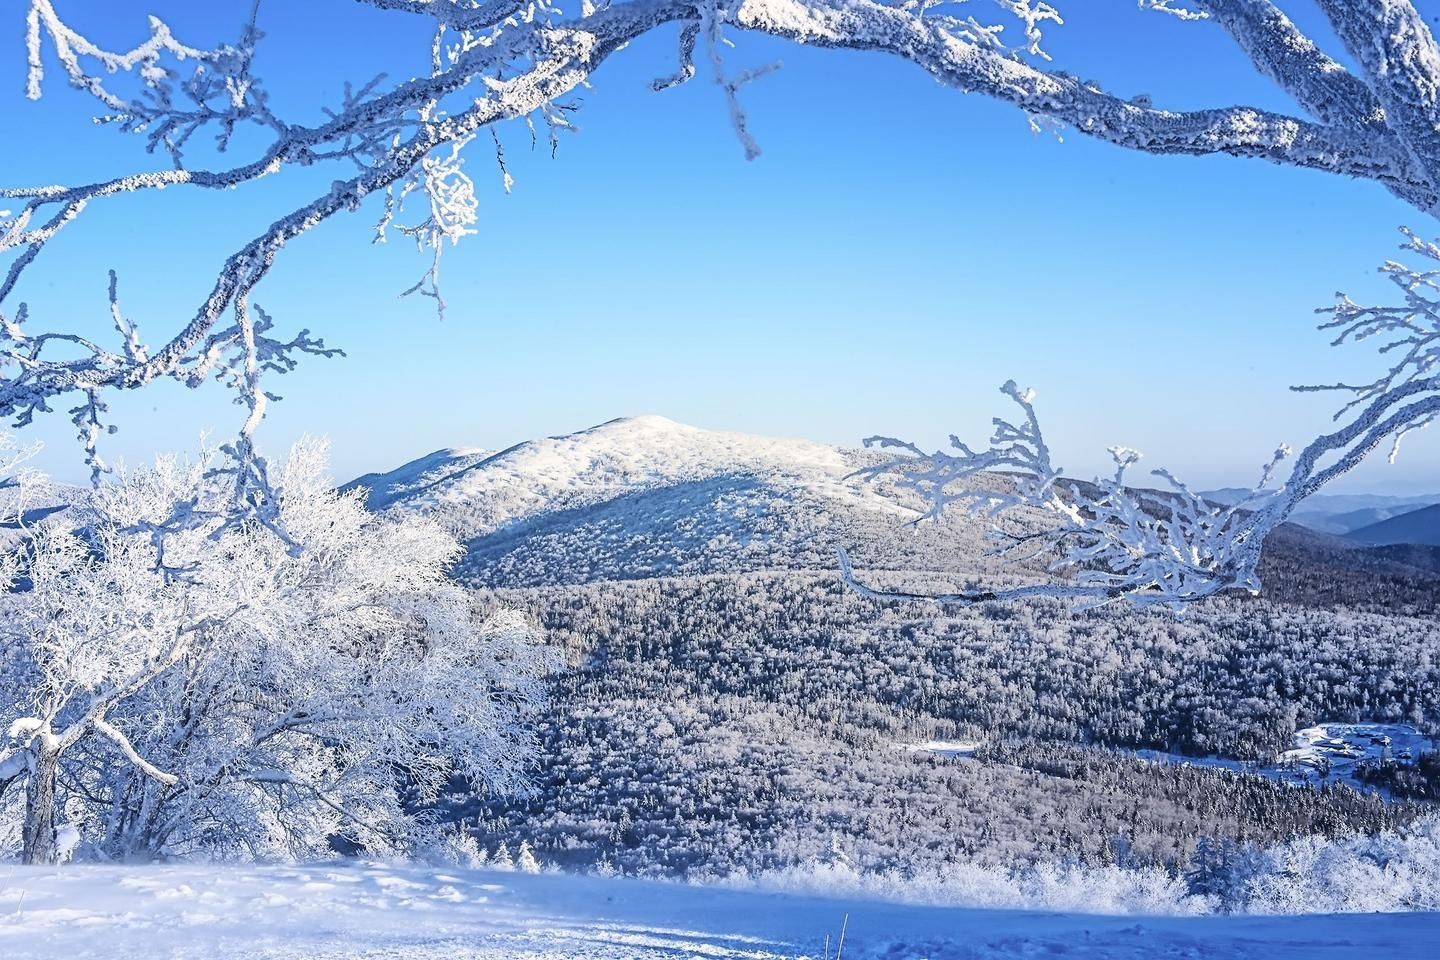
(1328, 753)
(601, 463)
(374, 910)
(945, 748)
(1332, 752)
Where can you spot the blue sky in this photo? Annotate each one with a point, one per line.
(897, 252)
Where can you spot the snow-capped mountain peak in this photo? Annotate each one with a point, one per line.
(650, 494)
(632, 450)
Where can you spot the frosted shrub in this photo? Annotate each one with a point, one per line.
(1107, 889)
(1393, 872)
(1385, 873)
(459, 847)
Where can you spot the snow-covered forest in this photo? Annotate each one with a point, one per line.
(648, 689)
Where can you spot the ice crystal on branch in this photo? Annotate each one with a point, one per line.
(1174, 9)
(1410, 333)
(175, 100)
(1151, 548)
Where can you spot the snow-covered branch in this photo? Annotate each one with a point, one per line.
(1148, 547)
(1391, 42)
(117, 737)
(461, 14)
(1280, 51)
(1410, 331)
(1106, 540)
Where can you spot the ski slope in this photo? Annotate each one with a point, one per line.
(407, 913)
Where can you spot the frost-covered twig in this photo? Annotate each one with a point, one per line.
(1410, 331)
(171, 106)
(1172, 547)
(1150, 548)
(19, 486)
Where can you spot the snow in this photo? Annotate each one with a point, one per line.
(625, 455)
(648, 492)
(360, 909)
(945, 748)
(1333, 752)
(411, 478)
(1328, 753)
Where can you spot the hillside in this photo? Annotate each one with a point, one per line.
(645, 496)
(413, 479)
(1338, 513)
(1418, 526)
(730, 706)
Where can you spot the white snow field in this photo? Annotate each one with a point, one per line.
(336, 910)
(945, 748)
(600, 463)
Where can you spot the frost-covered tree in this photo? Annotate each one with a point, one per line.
(1370, 108)
(216, 691)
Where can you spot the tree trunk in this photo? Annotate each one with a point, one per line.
(39, 834)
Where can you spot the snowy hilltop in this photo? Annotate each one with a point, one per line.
(646, 496)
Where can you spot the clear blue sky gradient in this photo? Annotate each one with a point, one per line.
(897, 252)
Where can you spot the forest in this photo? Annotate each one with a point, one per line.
(725, 722)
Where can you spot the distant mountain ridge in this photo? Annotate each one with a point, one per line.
(1415, 527)
(642, 497)
(1337, 513)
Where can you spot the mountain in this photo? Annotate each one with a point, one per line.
(729, 705)
(642, 497)
(646, 496)
(1338, 513)
(414, 478)
(1417, 526)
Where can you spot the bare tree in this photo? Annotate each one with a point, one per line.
(1374, 115)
